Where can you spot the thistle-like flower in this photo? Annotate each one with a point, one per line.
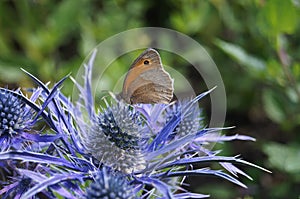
(153, 143)
(109, 184)
(191, 122)
(119, 151)
(15, 118)
(115, 138)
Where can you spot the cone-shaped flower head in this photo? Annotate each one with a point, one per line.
(110, 185)
(12, 114)
(115, 138)
(15, 119)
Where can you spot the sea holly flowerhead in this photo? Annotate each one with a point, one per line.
(158, 149)
(191, 120)
(122, 125)
(15, 118)
(116, 138)
(120, 151)
(110, 184)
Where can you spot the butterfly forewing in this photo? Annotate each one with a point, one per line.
(147, 81)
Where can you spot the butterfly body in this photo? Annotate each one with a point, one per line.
(146, 81)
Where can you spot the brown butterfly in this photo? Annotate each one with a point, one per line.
(146, 81)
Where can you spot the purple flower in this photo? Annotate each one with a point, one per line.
(115, 138)
(119, 150)
(110, 184)
(155, 145)
(192, 120)
(16, 118)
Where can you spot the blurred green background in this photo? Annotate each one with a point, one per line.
(255, 44)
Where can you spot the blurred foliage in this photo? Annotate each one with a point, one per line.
(255, 44)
